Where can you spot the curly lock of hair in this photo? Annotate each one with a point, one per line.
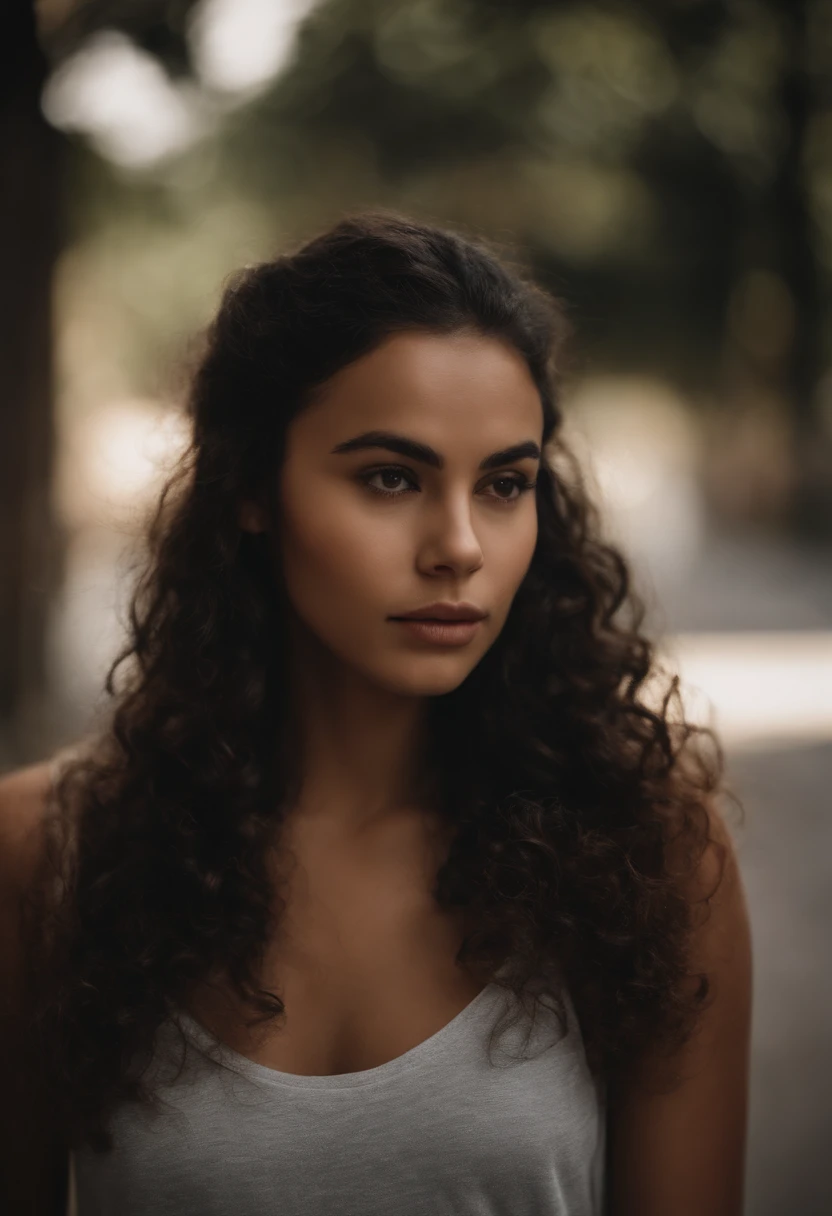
(570, 796)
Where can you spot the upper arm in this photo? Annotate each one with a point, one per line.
(683, 1151)
(33, 1162)
(23, 796)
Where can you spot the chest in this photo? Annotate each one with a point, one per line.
(363, 959)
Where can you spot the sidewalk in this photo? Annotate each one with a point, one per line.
(785, 852)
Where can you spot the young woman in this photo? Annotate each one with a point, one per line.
(384, 889)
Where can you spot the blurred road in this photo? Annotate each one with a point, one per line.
(744, 583)
(785, 851)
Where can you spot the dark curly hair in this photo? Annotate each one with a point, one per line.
(569, 795)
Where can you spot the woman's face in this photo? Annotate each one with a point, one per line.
(366, 533)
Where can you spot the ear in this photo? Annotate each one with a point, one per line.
(251, 517)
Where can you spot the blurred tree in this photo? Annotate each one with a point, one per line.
(158, 26)
(31, 156)
(569, 121)
(794, 240)
(649, 155)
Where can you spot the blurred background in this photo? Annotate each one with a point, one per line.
(666, 168)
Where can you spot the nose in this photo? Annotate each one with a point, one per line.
(451, 542)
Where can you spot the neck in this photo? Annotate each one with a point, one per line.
(361, 751)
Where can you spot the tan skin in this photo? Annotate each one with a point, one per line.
(365, 960)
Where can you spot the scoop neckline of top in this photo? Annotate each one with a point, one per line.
(422, 1053)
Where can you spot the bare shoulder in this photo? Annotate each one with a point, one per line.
(24, 797)
(24, 794)
(24, 802)
(33, 1158)
(683, 1150)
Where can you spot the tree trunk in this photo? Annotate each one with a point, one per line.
(31, 160)
(798, 263)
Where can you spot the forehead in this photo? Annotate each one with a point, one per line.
(431, 382)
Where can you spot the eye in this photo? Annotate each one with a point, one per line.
(395, 473)
(522, 484)
(391, 473)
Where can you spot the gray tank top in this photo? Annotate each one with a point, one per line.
(443, 1129)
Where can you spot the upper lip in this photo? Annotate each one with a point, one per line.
(445, 610)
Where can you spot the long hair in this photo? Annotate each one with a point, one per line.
(565, 788)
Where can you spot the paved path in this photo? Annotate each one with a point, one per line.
(785, 851)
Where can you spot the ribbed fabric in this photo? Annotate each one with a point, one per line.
(441, 1129)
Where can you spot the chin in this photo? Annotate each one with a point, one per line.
(428, 683)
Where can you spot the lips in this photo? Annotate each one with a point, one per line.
(441, 620)
(448, 612)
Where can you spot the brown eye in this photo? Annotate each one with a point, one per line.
(521, 483)
(397, 474)
(390, 472)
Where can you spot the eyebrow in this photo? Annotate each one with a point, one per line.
(427, 455)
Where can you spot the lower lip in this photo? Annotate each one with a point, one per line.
(441, 633)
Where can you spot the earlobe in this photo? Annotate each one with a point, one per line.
(251, 517)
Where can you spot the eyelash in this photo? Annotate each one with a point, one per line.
(522, 483)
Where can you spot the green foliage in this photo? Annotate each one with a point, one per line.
(639, 150)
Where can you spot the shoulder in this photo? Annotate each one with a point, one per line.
(33, 1159)
(24, 794)
(682, 1148)
(24, 800)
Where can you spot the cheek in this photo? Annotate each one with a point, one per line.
(335, 559)
(511, 552)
